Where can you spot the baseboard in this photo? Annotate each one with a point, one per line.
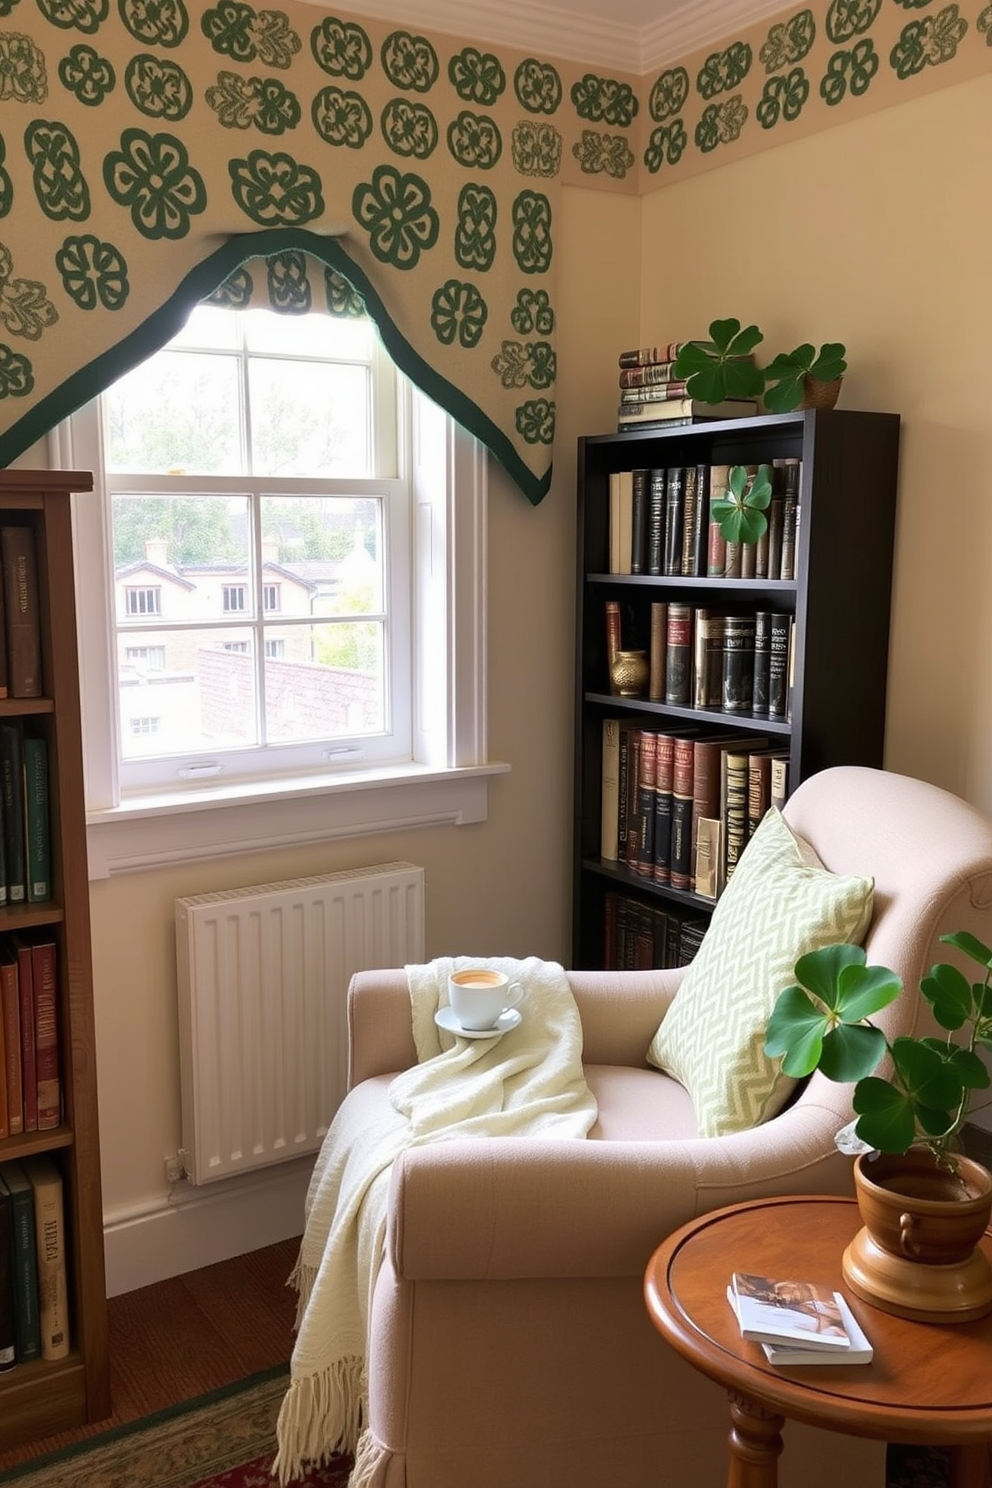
(197, 1226)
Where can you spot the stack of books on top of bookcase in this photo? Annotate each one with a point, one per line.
(679, 805)
(652, 397)
(661, 523)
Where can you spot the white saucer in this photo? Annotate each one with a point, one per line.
(508, 1018)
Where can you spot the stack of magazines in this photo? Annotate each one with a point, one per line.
(797, 1322)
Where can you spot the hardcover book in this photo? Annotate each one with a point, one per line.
(25, 1259)
(20, 584)
(49, 1221)
(8, 1325)
(776, 1311)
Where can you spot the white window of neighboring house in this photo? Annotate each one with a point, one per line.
(254, 439)
(152, 657)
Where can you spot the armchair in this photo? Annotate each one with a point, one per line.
(509, 1343)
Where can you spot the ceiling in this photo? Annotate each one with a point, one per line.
(640, 36)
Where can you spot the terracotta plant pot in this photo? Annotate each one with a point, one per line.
(918, 1254)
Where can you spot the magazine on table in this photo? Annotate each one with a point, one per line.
(797, 1322)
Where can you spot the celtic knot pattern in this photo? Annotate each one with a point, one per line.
(667, 145)
(537, 86)
(409, 129)
(532, 312)
(342, 297)
(237, 31)
(23, 77)
(535, 421)
(525, 364)
(724, 70)
(152, 176)
(720, 124)
(93, 273)
(852, 69)
(532, 245)
(536, 148)
(475, 234)
(82, 15)
(25, 309)
(84, 72)
(158, 87)
(288, 283)
(16, 374)
(668, 94)
(409, 62)
(984, 24)
(477, 77)
(606, 154)
(341, 48)
(240, 102)
(458, 311)
(342, 117)
(783, 97)
(928, 42)
(59, 183)
(788, 43)
(235, 293)
(604, 101)
(849, 18)
(155, 22)
(474, 141)
(397, 212)
(274, 190)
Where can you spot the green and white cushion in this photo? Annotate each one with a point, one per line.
(779, 904)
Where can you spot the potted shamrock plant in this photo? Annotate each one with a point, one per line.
(724, 367)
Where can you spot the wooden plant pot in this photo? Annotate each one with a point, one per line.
(918, 1255)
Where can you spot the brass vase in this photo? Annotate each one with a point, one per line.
(629, 673)
(918, 1255)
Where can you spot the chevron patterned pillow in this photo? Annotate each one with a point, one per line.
(780, 903)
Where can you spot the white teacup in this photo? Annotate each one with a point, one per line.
(477, 996)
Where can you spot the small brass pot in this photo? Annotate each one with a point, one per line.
(629, 673)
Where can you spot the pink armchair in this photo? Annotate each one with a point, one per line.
(509, 1344)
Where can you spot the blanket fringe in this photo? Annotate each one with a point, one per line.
(321, 1414)
(301, 1279)
(370, 1459)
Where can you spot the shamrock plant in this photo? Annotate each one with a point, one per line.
(724, 367)
(825, 1023)
(741, 513)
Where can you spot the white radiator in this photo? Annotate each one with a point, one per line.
(263, 978)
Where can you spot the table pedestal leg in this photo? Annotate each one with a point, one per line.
(755, 1443)
(968, 1466)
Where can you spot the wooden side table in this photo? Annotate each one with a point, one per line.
(928, 1384)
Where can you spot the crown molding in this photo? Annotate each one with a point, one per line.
(599, 39)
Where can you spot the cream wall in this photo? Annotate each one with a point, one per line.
(501, 887)
(877, 234)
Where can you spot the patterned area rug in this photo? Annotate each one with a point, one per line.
(223, 1440)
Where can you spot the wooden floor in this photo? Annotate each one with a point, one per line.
(182, 1338)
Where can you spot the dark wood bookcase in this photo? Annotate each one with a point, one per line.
(40, 1397)
(840, 600)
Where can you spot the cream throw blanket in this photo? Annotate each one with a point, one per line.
(527, 1083)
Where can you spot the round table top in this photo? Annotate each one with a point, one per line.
(927, 1383)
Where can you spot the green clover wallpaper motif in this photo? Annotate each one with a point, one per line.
(154, 153)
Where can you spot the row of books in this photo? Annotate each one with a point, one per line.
(797, 1322)
(678, 808)
(34, 1319)
(25, 831)
(651, 396)
(30, 1063)
(661, 523)
(738, 662)
(20, 624)
(642, 937)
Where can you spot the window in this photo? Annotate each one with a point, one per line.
(143, 601)
(150, 657)
(143, 725)
(286, 710)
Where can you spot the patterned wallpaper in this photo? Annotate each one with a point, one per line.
(149, 149)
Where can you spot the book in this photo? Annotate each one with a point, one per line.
(738, 663)
(678, 655)
(707, 659)
(645, 374)
(706, 871)
(46, 1034)
(639, 521)
(632, 798)
(621, 520)
(690, 483)
(8, 1323)
(25, 1261)
(657, 650)
(698, 478)
(37, 834)
(10, 1007)
(29, 1058)
(674, 520)
(12, 823)
(780, 781)
(609, 844)
(716, 549)
(653, 392)
(759, 785)
(663, 783)
(646, 356)
(49, 1222)
(733, 814)
(683, 766)
(762, 647)
(790, 475)
(657, 484)
(660, 410)
(803, 1314)
(612, 617)
(643, 861)
(779, 647)
(22, 616)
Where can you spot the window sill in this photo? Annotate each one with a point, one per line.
(224, 821)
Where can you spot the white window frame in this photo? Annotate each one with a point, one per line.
(446, 779)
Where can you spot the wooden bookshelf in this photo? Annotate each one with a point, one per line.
(38, 1398)
(839, 600)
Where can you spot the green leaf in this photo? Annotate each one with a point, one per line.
(971, 946)
(830, 364)
(795, 1032)
(948, 992)
(928, 1078)
(886, 1118)
(786, 396)
(851, 1053)
(818, 971)
(970, 1070)
(730, 340)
